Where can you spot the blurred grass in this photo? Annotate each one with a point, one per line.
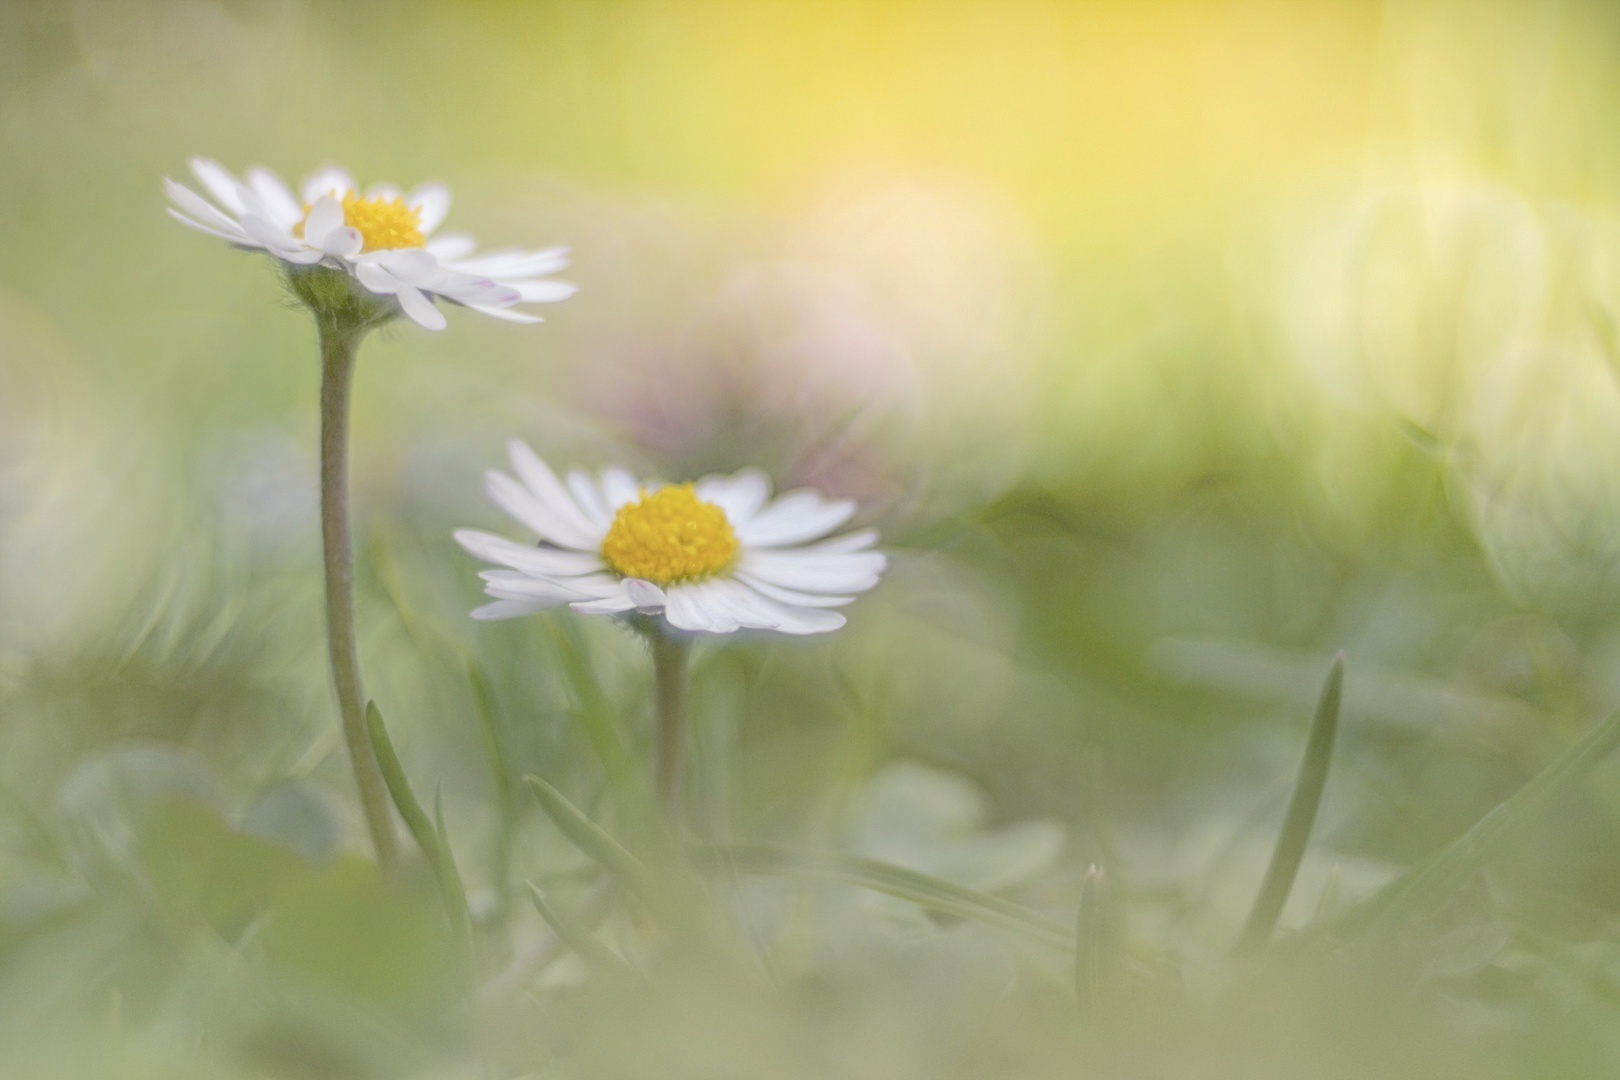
(1172, 347)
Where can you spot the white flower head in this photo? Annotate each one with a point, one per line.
(384, 239)
(714, 556)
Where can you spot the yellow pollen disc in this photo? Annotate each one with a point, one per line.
(383, 223)
(670, 536)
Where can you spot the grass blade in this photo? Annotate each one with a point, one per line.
(1099, 941)
(448, 874)
(574, 934)
(591, 839)
(1301, 815)
(428, 837)
(922, 889)
(595, 713)
(1434, 880)
(500, 771)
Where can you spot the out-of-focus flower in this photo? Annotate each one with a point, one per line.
(1487, 323)
(785, 364)
(877, 345)
(1418, 293)
(714, 556)
(383, 238)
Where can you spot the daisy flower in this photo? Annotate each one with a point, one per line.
(713, 556)
(384, 239)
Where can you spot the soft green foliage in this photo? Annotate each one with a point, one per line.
(1172, 348)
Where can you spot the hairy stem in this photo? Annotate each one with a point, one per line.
(669, 675)
(338, 346)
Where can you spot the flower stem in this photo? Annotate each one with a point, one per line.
(669, 675)
(338, 346)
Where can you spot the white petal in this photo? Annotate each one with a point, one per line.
(420, 308)
(794, 518)
(601, 586)
(505, 313)
(344, 242)
(791, 596)
(546, 562)
(451, 245)
(619, 488)
(432, 204)
(690, 608)
(520, 502)
(543, 292)
(412, 265)
(830, 574)
(513, 263)
(377, 279)
(325, 215)
(584, 490)
(330, 180)
(510, 609)
(722, 606)
(612, 605)
(219, 182)
(284, 209)
(756, 610)
(515, 585)
(470, 290)
(539, 478)
(252, 204)
(739, 495)
(235, 238)
(804, 620)
(278, 243)
(855, 541)
(305, 256)
(201, 209)
(267, 233)
(611, 599)
(750, 608)
(644, 594)
(385, 191)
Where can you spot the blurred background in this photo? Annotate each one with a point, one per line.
(1172, 347)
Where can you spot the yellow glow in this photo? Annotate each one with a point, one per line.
(670, 536)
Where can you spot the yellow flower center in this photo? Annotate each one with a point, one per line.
(669, 536)
(383, 223)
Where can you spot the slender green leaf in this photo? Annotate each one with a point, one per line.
(500, 771)
(1432, 882)
(574, 934)
(922, 889)
(1099, 940)
(428, 837)
(448, 874)
(591, 839)
(416, 819)
(595, 713)
(1301, 815)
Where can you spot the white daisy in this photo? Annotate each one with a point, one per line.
(384, 238)
(713, 556)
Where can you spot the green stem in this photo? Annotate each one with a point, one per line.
(670, 679)
(338, 346)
